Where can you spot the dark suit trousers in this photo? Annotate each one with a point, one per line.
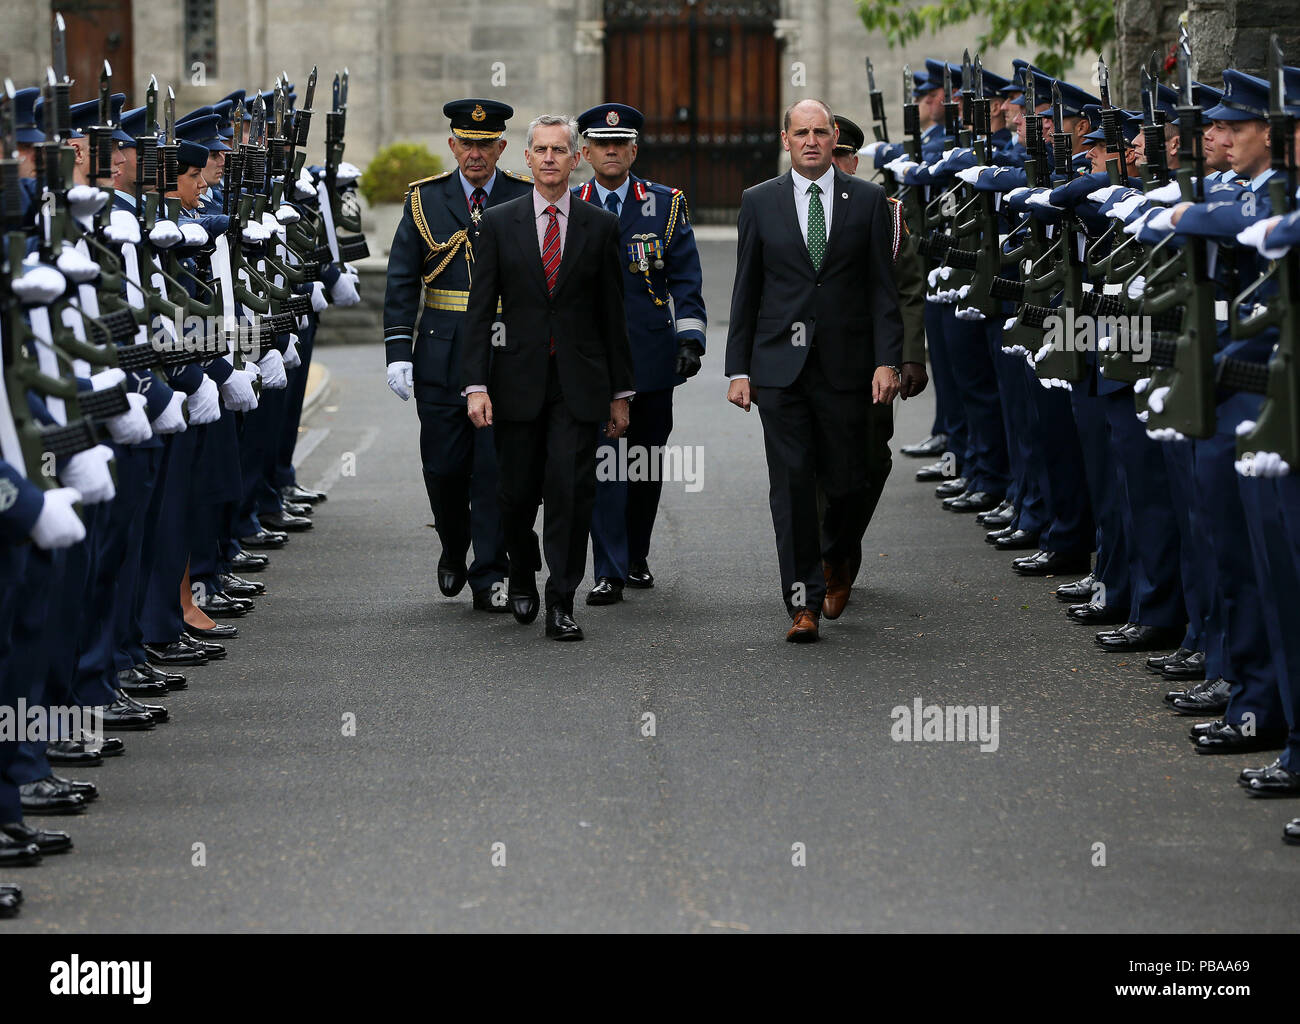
(815, 436)
(551, 460)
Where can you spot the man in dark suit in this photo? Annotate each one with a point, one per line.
(548, 368)
(816, 337)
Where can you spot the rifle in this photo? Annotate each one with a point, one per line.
(880, 129)
(1185, 364)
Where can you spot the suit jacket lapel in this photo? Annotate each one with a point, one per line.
(840, 201)
(527, 239)
(573, 242)
(790, 216)
(454, 195)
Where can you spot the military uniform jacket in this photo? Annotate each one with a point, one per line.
(654, 228)
(433, 251)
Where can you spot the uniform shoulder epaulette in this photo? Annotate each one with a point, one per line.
(425, 181)
(517, 176)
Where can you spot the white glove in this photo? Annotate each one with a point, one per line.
(131, 427)
(88, 472)
(344, 291)
(1256, 236)
(39, 286)
(871, 148)
(969, 313)
(122, 228)
(271, 366)
(58, 525)
(1156, 400)
(292, 360)
(1266, 464)
(165, 234)
(1042, 197)
(76, 267)
(969, 174)
(318, 301)
(1141, 385)
(347, 173)
(194, 233)
(205, 404)
(1162, 220)
(171, 420)
(1016, 193)
(86, 200)
(1104, 193)
(1137, 286)
(1122, 209)
(1135, 225)
(105, 379)
(401, 378)
(1166, 193)
(254, 232)
(237, 391)
(304, 186)
(899, 166)
(286, 214)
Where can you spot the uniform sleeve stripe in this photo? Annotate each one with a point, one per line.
(690, 323)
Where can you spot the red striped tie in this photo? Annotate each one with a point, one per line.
(551, 254)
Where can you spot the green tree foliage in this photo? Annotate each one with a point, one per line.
(1063, 31)
(393, 168)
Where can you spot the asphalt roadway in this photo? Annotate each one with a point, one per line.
(472, 731)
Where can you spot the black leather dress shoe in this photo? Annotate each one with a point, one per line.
(295, 493)
(119, 717)
(560, 624)
(972, 501)
(9, 889)
(221, 606)
(291, 508)
(237, 586)
(1079, 590)
(1222, 738)
(488, 601)
(1050, 563)
(174, 653)
(1210, 699)
(173, 680)
(1273, 780)
(212, 650)
(1157, 662)
(951, 488)
(1133, 637)
(155, 711)
(993, 536)
(1004, 508)
(263, 538)
(1096, 615)
(1189, 669)
(46, 840)
(1016, 540)
(524, 602)
(933, 445)
(285, 523)
(75, 753)
(220, 631)
(996, 520)
(934, 471)
(139, 685)
(1291, 832)
(1195, 688)
(14, 854)
(451, 578)
(246, 561)
(639, 576)
(606, 591)
(45, 796)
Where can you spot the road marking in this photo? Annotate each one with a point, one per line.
(303, 449)
(332, 475)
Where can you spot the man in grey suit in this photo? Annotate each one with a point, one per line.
(815, 338)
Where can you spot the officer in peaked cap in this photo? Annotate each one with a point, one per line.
(433, 251)
(663, 267)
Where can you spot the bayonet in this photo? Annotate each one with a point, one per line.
(1148, 97)
(169, 117)
(1185, 67)
(59, 49)
(335, 108)
(871, 77)
(106, 94)
(311, 89)
(344, 105)
(979, 78)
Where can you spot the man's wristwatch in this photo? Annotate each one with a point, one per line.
(897, 373)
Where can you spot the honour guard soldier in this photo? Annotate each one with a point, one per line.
(665, 320)
(433, 250)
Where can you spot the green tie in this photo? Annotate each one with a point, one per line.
(816, 226)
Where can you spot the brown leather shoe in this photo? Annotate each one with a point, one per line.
(838, 588)
(804, 630)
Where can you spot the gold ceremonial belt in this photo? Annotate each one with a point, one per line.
(454, 299)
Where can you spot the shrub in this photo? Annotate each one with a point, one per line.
(393, 168)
